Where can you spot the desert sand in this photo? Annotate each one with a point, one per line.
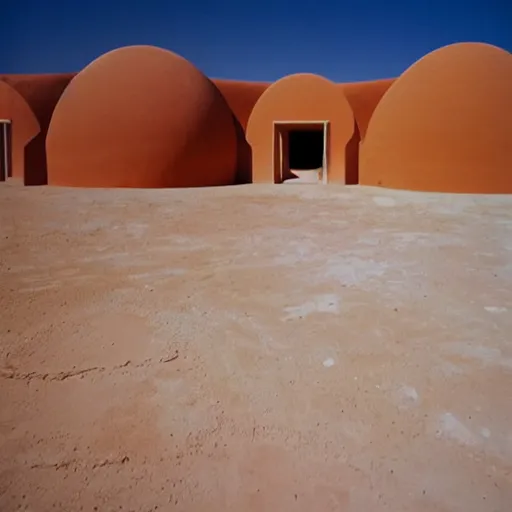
(255, 348)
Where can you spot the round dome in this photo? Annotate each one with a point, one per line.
(141, 116)
(15, 109)
(445, 125)
(300, 98)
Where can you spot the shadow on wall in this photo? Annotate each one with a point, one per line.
(43, 105)
(36, 172)
(241, 97)
(25, 126)
(352, 158)
(243, 156)
(41, 92)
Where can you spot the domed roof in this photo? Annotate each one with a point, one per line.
(445, 125)
(300, 97)
(141, 116)
(14, 108)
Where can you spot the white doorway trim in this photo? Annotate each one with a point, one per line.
(284, 123)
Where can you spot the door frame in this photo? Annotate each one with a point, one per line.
(280, 130)
(6, 150)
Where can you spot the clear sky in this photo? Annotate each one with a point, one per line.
(249, 40)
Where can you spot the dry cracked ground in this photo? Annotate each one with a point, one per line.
(255, 348)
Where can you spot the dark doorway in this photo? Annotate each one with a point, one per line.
(306, 149)
(301, 151)
(5, 150)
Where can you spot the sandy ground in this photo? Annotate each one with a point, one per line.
(255, 348)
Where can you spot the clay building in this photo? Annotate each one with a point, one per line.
(142, 116)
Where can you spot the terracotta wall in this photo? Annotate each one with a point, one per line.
(364, 97)
(141, 117)
(241, 98)
(300, 97)
(41, 92)
(445, 125)
(24, 125)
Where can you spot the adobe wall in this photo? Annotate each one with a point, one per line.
(25, 126)
(41, 92)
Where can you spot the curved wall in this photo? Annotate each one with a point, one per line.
(302, 97)
(364, 97)
(41, 92)
(24, 125)
(241, 98)
(445, 125)
(141, 117)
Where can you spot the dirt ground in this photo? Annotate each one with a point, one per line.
(255, 348)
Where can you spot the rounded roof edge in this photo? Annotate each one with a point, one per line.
(18, 106)
(302, 80)
(443, 126)
(182, 129)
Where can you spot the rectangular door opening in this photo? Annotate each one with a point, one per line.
(300, 152)
(5, 150)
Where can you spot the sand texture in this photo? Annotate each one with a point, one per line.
(255, 348)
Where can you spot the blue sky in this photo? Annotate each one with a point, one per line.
(247, 40)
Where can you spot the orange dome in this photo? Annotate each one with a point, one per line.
(15, 109)
(445, 125)
(301, 97)
(141, 116)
